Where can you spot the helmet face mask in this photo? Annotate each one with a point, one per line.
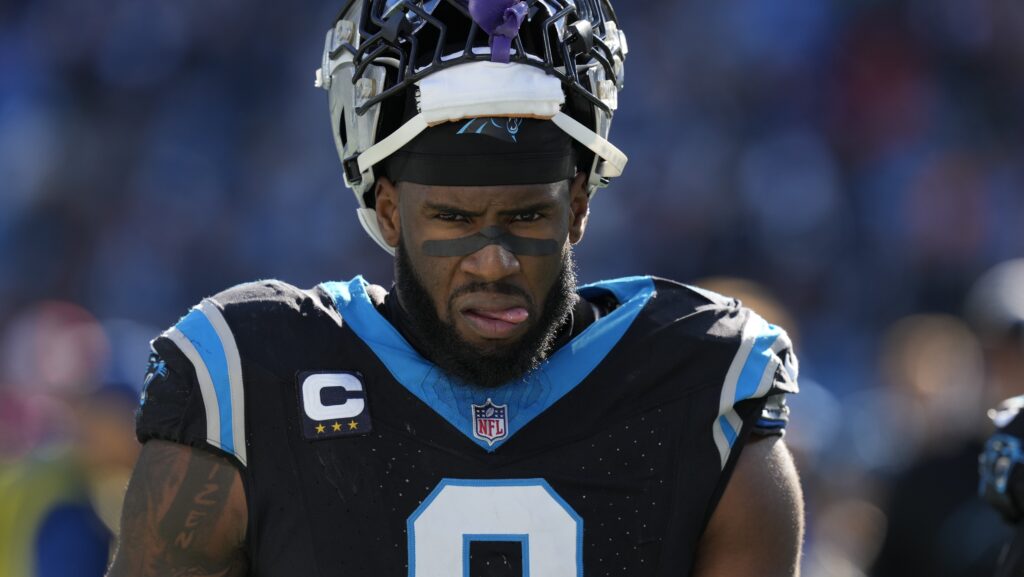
(379, 51)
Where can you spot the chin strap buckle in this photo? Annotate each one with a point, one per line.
(352, 172)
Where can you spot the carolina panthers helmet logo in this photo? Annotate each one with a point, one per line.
(500, 128)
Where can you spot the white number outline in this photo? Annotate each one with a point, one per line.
(467, 538)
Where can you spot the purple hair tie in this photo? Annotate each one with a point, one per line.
(501, 19)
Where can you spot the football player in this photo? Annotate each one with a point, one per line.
(486, 416)
(996, 306)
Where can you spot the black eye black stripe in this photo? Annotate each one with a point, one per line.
(491, 235)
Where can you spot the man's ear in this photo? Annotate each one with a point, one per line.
(388, 218)
(579, 207)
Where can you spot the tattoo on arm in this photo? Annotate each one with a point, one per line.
(200, 499)
(184, 516)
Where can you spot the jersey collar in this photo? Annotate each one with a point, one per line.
(523, 399)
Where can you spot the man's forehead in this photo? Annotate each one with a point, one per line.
(483, 197)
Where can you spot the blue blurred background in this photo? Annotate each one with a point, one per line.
(849, 167)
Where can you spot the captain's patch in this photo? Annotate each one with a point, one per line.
(333, 405)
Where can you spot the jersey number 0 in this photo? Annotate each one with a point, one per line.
(460, 511)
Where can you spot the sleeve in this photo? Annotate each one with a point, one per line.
(774, 415)
(193, 391)
(763, 371)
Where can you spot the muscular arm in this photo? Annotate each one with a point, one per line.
(757, 528)
(184, 515)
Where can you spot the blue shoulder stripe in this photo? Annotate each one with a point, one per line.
(727, 430)
(750, 375)
(761, 354)
(204, 337)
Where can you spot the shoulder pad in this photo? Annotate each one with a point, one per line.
(205, 339)
(215, 335)
(261, 297)
(259, 312)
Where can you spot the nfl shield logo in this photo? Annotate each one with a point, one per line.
(490, 422)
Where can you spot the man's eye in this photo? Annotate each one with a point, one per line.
(527, 217)
(451, 217)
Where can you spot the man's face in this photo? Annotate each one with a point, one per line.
(501, 308)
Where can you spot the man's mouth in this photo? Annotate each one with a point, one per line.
(496, 323)
(493, 318)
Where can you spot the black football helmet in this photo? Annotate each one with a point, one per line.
(393, 67)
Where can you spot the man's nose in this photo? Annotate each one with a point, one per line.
(491, 263)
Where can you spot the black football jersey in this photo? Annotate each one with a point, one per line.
(362, 458)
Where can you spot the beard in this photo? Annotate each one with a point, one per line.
(489, 367)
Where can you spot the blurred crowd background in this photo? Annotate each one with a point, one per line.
(850, 168)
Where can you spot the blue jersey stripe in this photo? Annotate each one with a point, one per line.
(760, 355)
(203, 336)
(730, 433)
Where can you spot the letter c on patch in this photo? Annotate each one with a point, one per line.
(313, 404)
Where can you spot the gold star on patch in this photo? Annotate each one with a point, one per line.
(353, 425)
(320, 428)
(336, 427)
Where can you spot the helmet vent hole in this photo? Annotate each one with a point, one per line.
(342, 131)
